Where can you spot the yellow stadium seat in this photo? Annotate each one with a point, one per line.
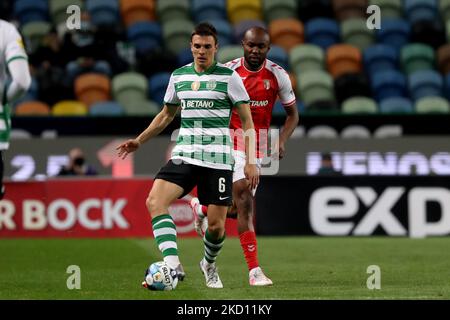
(239, 10)
(69, 108)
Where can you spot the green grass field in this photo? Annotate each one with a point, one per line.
(301, 268)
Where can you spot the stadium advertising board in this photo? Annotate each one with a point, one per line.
(87, 208)
(354, 206)
(37, 158)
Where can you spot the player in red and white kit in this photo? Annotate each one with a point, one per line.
(265, 81)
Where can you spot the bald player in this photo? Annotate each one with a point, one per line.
(265, 82)
(15, 79)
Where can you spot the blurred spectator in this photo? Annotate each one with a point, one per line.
(326, 167)
(77, 165)
(5, 10)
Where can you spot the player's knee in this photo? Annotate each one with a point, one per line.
(154, 206)
(244, 204)
(215, 229)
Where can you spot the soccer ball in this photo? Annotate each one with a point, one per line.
(159, 276)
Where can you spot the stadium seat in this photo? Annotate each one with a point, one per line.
(416, 56)
(142, 108)
(417, 10)
(33, 34)
(69, 108)
(224, 31)
(177, 34)
(168, 10)
(279, 56)
(424, 83)
(286, 33)
(306, 57)
(145, 36)
(396, 105)
(28, 11)
(32, 108)
(133, 11)
(359, 105)
(380, 57)
(443, 58)
(346, 9)
(157, 86)
(393, 32)
(322, 107)
(343, 58)
(279, 9)
(92, 87)
(350, 85)
(447, 30)
(389, 8)
(184, 57)
(421, 31)
(203, 10)
(103, 12)
(354, 31)
(315, 86)
(241, 27)
(239, 10)
(444, 9)
(388, 83)
(229, 53)
(128, 87)
(293, 79)
(432, 105)
(106, 108)
(323, 32)
(58, 9)
(278, 108)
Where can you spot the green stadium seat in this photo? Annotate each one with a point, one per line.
(444, 8)
(58, 9)
(359, 105)
(129, 87)
(177, 34)
(389, 8)
(306, 57)
(314, 86)
(172, 10)
(229, 53)
(355, 32)
(432, 105)
(33, 33)
(416, 56)
(279, 9)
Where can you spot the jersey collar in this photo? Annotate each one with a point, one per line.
(262, 66)
(207, 71)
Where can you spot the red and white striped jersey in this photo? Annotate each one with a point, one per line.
(264, 87)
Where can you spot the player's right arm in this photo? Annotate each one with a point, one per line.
(158, 124)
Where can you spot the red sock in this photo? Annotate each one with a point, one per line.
(204, 210)
(249, 246)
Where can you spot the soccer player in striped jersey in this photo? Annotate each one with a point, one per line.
(15, 79)
(265, 81)
(207, 92)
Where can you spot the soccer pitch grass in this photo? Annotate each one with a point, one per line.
(301, 268)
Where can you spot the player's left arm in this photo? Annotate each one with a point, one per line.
(287, 96)
(17, 64)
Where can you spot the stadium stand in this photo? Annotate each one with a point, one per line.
(69, 108)
(32, 108)
(396, 65)
(91, 88)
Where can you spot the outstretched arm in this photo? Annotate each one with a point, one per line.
(158, 124)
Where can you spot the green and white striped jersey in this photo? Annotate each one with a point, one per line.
(11, 48)
(206, 101)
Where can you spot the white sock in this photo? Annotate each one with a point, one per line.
(172, 261)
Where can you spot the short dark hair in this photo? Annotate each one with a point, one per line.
(205, 29)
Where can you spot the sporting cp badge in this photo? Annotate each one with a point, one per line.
(195, 85)
(211, 84)
(267, 84)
